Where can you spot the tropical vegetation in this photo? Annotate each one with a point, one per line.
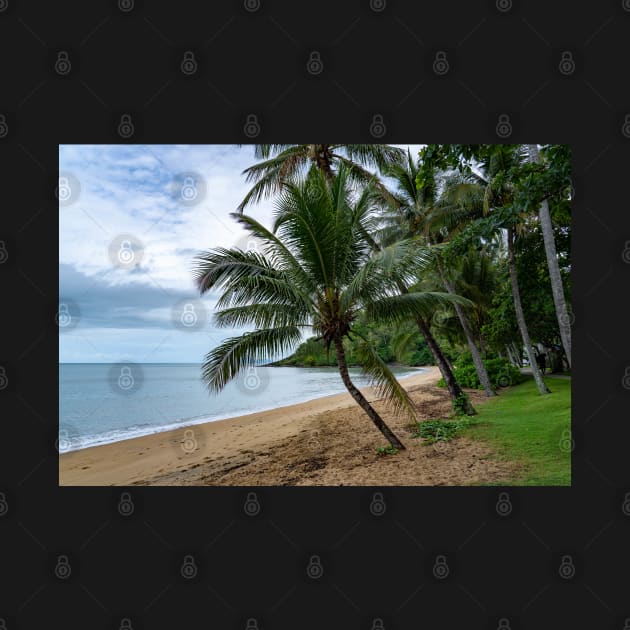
(457, 257)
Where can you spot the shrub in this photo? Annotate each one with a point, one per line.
(421, 357)
(386, 450)
(500, 371)
(433, 431)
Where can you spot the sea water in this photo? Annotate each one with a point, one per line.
(101, 403)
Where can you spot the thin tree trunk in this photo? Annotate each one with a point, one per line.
(557, 288)
(454, 389)
(482, 345)
(441, 361)
(482, 373)
(518, 354)
(361, 400)
(453, 386)
(512, 356)
(520, 316)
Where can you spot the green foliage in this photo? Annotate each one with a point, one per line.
(315, 269)
(310, 353)
(501, 372)
(419, 357)
(461, 404)
(432, 431)
(415, 352)
(386, 450)
(500, 327)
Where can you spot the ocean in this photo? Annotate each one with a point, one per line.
(102, 403)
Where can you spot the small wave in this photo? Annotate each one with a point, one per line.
(75, 442)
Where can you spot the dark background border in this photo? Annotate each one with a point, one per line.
(503, 59)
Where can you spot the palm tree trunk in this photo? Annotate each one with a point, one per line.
(557, 288)
(520, 316)
(512, 356)
(324, 160)
(482, 373)
(360, 398)
(453, 386)
(454, 389)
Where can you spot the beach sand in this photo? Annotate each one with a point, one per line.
(327, 441)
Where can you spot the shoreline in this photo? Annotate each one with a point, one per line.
(199, 420)
(139, 460)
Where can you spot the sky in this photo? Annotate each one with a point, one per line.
(131, 220)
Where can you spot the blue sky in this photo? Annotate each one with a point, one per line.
(131, 219)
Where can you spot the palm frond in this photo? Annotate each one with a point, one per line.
(263, 151)
(262, 315)
(268, 176)
(400, 308)
(276, 250)
(383, 380)
(378, 155)
(403, 339)
(213, 268)
(224, 362)
(385, 271)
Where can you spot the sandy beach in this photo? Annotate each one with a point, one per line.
(327, 441)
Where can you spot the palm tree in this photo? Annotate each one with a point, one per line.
(520, 315)
(498, 193)
(416, 207)
(282, 161)
(315, 270)
(473, 276)
(557, 287)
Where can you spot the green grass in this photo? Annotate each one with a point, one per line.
(523, 426)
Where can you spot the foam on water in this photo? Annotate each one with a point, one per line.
(172, 396)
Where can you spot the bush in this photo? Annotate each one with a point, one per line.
(420, 357)
(433, 431)
(500, 371)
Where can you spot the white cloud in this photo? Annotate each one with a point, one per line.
(133, 189)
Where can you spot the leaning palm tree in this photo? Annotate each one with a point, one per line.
(313, 270)
(413, 212)
(280, 162)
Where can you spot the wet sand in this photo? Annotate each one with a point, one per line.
(327, 441)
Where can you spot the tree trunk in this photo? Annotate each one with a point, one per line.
(482, 373)
(323, 160)
(360, 398)
(557, 288)
(512, 356)
(441, 361)
(520, 316)
(453, 386)
(518, 354)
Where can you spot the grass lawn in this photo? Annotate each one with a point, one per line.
(526, 427)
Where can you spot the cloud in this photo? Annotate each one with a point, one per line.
(137, 190)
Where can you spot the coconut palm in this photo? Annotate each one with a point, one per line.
(557, 287)
(473, 276)
(314, 270)
(282, 161)
(416, 208)
(495, 193)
